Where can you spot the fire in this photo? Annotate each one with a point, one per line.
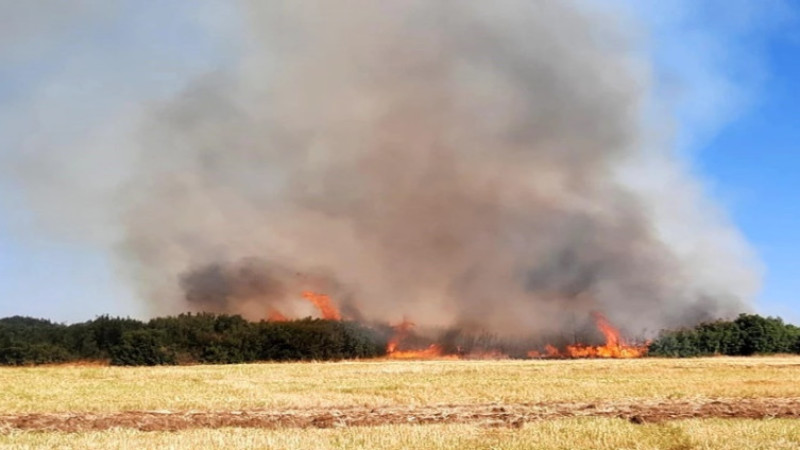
(615, 346)
(400, 333)
(609, 331)
(273, 315)
(432, 352)
(549, 352)
(324, 304)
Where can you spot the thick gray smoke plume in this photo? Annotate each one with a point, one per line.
(466, 163)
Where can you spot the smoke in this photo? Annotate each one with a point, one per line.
(461, 163)
(487, 165)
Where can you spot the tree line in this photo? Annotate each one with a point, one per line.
(748, 334)
(185, 339)
(220, 339)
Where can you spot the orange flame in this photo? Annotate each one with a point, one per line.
(549, 352)
(400, 333)
(610, 332)
(273, 315)
(324, 304)
(615, 346)
(432, 352)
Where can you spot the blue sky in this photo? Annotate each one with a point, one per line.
(754, 163)
(735, 66)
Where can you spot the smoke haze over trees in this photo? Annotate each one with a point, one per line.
(485, 165)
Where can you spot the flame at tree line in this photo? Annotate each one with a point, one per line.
(324, 304)
(615, 346)
(401, 332)
(273, 315)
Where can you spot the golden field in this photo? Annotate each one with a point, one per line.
(377, 383)
(562, 434)
(368, 386)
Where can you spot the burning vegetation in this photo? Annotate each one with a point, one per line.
(323, 303)
(470, 164)
(273, 315)
(403, 343)
(615, 346)
(222, 339)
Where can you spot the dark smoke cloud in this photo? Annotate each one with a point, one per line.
(465, 163)
(220, 287)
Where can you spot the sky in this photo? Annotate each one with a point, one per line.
(753, 162)
(71, 79)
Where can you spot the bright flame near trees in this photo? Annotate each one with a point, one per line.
(324, 304)
(273, 315)
(615, 346)
(400, 333)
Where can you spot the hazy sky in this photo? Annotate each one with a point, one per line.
(74, 78)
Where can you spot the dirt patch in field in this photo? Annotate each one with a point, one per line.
(501, 415)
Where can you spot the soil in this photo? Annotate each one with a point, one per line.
(493, 415)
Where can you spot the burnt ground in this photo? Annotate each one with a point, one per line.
(501, 415)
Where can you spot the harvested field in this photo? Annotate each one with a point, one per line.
(391, 383)
(561, 434)
(483, 415)
(502, 404)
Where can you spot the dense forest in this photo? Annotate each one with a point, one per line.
(185, 339)
(209, 338)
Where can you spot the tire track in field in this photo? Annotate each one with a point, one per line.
(511, 415)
